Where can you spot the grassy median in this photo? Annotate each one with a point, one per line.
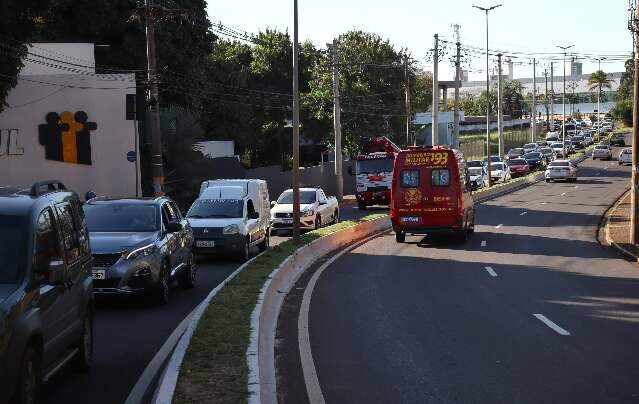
(215, 368)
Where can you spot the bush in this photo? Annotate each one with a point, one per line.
(623, 111)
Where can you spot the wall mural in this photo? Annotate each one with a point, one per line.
(67, 137)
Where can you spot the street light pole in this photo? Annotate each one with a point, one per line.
(296, 130)
(486, 10)
(563, 126)
(599, 104)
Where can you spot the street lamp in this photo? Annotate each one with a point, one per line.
(599, 104)
(486, 10)
(563, 126)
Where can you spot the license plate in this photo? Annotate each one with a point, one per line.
(410, 219)
(98, 274)
(205, 243)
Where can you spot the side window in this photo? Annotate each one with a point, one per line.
(409, 178)
(80, 224)
(322, 196)
(250, 208)
(47, 245)
(176, 212)
(166, 214)
(70, 240)
(440, 177)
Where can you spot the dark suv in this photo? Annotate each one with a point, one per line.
(46, 299)
(140, 246)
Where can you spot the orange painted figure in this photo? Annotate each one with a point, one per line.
(67, 137)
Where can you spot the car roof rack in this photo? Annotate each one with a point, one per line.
(51, 186)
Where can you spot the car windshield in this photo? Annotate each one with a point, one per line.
(559, 164)
(557, 145)
(475, 163)
(546, 150)
(216, 209)
(475, 171)
(517, 152)
(122, 217)
(13, 236)
(497, 167)
(533, 155)
(530, 146)
(518, 162)
(374, 166)
(306, 197)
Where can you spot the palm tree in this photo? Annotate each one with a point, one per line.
(599, 80)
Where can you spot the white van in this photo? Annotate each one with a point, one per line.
(231, 216)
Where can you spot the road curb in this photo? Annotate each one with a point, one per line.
(603, 224)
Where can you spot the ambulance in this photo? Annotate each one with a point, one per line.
(431, 193)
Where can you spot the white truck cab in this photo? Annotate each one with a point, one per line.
(316, 210)
(231, 216)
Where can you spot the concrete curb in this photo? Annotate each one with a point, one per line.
(261, 352)
(612, 243)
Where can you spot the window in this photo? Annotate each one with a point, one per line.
(216, 209)
(47, 245)
(167, 214)
(410, 178)
(70, 240)
(440, 178)
(80, 224)
(176, 212)
(121, 217)
(13, 242)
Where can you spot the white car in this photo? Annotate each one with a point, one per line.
(499, 172)
(316, 210)
(558, 148)
(625, 157)
(588, 140)
(478, 177)
(561, 170)
(530, 147)
(602, 151)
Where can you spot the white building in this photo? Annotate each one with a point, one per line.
(65, 122)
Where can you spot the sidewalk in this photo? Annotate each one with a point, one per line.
(616, 231)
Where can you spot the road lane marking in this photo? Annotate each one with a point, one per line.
(550, 324)
(491, 271)
(483, 243)
(564, 194)
(499, 226)
(606, 167)
(598, 174)
(544, 203)
(523, 213)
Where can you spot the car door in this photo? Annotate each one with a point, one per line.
(184, 236)
(170, 241)
(252, 225)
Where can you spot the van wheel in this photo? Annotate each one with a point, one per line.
(30, 378)
(263, 246)
(85, 345)
(400, 237)
(188, 277)
(336, 217)
(318, 222)
(246, 251)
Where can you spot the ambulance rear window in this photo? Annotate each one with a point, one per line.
(410, 178)
(440, 177)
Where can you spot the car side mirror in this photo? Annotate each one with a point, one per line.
(56, 271)
(253, 215)
(174, 227)
(273, 203)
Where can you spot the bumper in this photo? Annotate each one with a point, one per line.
(601, 156)
(220, 244)
(556, 176)
(306, 223)
(374, 198)
(129, 277)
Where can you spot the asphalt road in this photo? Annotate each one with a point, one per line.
(427, 322)
(129, 332)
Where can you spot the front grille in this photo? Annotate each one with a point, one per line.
(106, 283)
(377, 189)
(105, 260)
(284, 215)
(207, 232)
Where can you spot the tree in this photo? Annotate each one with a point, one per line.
(422, 91)
(598, 81)
(512, 98)
(19, 22)
(469, 103)
(623, 104)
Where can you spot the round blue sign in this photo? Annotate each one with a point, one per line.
(131, 156)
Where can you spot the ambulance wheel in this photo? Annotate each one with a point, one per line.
(400, 237)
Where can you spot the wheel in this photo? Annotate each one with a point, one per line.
(471, 228)
(162, 290)
(245, 254)
(547, 180)
(84, 358)
(336, 217)
(400, 237)
(263, 246)
(318, 222)
(188, 277)
(620, 163)
(30, 378)
(361, 205)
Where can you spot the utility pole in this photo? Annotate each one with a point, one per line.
(151, 13)
(547, 113)
(435, 121)
(563, 124)
(409, 115)
(500, 116)
(634, 209)
(457, 85)
(337, 123)
(296, 130)
(599, 103)
(533, 113)
(552, 94)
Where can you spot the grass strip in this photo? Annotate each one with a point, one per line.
(214, 368)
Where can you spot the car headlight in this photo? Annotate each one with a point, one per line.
(308, 213)
(231, 229)
(139, 252)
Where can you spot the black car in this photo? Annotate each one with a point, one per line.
(618, 139)
(140, 246)
(515, 153)
(535, 160)
(46, 299)
(548, 153)
(578, 141)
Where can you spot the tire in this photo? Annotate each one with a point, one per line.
(547, 180)
(28, 389)
(245, 254)
(263, 246)
(336, 217)
(188, 277)
(400, 237)
(84, 358)
(361, 205)
(162, 289)
(471, 228)
(318, 222)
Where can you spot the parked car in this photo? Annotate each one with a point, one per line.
(515, 153)
(618, 139)
(602, 152)
(561, 170)
(316, 210)
(535, 160)
(548, 153)
(475, 163)
(499, 172)
(530, 147)
(140, 246)
(625, 156)
(518, 167)
(478, 177)
(231, 216)
(46, 299)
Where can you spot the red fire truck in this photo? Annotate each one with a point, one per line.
(374, 172)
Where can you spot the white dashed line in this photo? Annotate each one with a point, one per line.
(483, 243)
(499, 226)
(598, 174)
(564, 194)
(605, 168)
(544, 203)
(491, 272)
(523, 213)
(550, 324)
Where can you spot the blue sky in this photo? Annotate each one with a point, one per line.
(516, 26)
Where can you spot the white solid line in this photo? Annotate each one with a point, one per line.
(550, 324)
(523, 213)
(483, 243)
(491, 271)
(499, 226)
